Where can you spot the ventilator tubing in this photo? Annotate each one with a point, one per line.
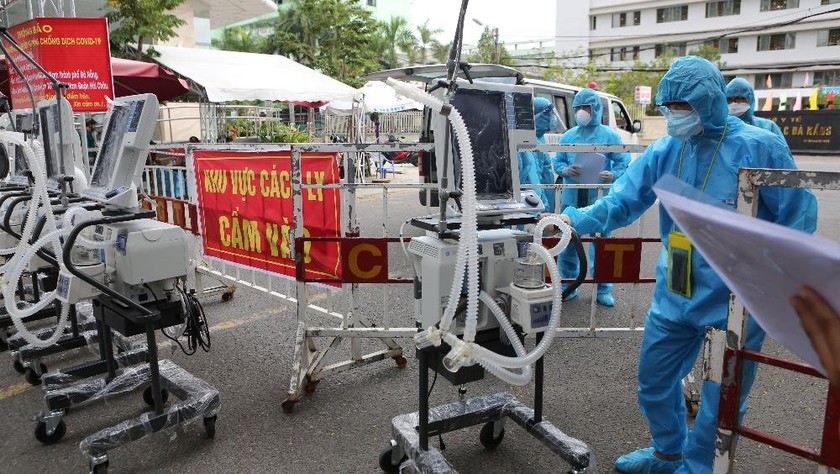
(15, 267)
(465, 352)
(467, 250)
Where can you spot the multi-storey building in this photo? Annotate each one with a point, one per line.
(788, 40)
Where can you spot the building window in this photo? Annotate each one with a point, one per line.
(677, 13)
(724, 8)
(725, 45)
(635, 53)
(620, 20)
(771, 5)
(618, 54)
(828, 37)
(593, 22)
(670, 49)
(782, 80)
(371, 3)
(829, 78)
(776, 41)
(829, 2)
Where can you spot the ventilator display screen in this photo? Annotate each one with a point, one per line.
(486, 117)
(48, 117)
(118, 124)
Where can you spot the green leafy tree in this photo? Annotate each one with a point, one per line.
(486, 51)
(440, 51)
(240, 39)
(394, 35)
(335, 36)
(136, 23)
(709, 52)
(426, 40)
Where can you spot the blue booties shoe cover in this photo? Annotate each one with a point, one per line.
(606, 299)
(571, 296)
(644, 461)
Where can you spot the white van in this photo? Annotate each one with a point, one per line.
(615, 113)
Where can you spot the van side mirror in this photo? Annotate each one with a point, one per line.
(637, 126)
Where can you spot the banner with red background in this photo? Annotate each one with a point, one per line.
(246, 211)
(74, 50)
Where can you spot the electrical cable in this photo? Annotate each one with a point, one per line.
(196, 330)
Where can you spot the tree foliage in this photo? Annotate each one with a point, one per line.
(488, 51)
(135, 23)
(240, 39)
(334, 36)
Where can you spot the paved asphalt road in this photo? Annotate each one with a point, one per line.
(590, 391)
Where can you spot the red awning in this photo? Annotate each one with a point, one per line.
(130, 78)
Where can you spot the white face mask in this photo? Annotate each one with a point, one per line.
(738, 108)
(583, 117)
(683, 124)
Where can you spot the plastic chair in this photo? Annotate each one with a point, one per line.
(384, 165)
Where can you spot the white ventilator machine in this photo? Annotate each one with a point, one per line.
(479, 283)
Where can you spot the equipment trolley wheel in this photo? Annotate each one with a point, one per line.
(18, 366)
(210, 426)
(486, 436)
(401, 361)
(99, 468)
(42, 436)
(288, 405)
(692, 408)
(147, 396)
(309, 386)
(386, 461)
(3, 345)
(228, 295)
(33, 377)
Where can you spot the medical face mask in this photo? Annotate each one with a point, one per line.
(683, 124)
(583, 117)
(738, 108)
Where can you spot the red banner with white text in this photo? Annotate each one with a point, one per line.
(246, 210)
(74, 50)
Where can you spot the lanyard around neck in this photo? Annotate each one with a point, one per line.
(711, 164)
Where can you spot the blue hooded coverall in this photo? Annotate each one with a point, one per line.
(535, 166)
(594, 133)
(739, 87)
(675, 325)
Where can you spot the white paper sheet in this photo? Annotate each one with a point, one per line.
(591, 164)
(764, 264)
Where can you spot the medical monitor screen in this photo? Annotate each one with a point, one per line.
(124, 118)
(48, 118)
(21, 165)
(485, 116)
(23, 123)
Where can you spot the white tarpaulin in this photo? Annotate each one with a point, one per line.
(228, 75)
(376, 96)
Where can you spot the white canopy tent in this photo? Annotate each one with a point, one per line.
(227, 76)
(375, 96)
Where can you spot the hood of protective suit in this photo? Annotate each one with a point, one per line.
(590, 98)
(695, 80)
(542, 115)
(739, 87)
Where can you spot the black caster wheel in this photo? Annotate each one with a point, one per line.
(288, 405)
(18, 366)
(486, 437)
(401, 361)
(147, 396)
(386, 462)
(210, 426)
(692, 408)
(3, 345)
(228, 295)
(42, 436)
(100, 468)
(34, 378)
(309, 386)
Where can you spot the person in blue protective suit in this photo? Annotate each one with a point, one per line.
(705, 147)
(535, 166)
(589, 130)
(741, 99)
